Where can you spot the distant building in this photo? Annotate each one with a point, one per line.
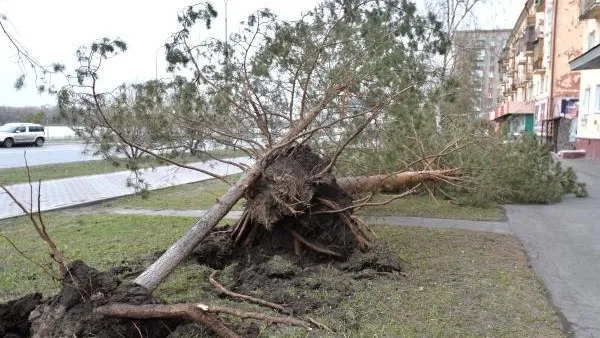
(479, 50)
(538, 87)
(588, 129)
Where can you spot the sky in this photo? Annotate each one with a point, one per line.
(53, 30)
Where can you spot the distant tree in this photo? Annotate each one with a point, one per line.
(39, 118)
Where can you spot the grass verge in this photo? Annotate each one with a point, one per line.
(73, 169)
(425, 206)
(458, 284)
(103, 241)
(203, 195)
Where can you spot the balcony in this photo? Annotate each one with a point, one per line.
(540, 5)
(590, 9)
(538, 50)
(530, 38)
(513, 108)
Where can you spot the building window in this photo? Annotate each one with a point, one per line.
(591, 40)
(586, 101)
(597, 105)
(491, 74)
(490, 86)
(543, 110)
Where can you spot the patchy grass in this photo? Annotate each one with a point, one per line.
(54, 171)
(200, 195)
(458, 283)
(425, 206)
(73, 169)
(203, 195)
(103, 241)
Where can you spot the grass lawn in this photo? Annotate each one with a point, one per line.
(458, 283)
(202, 195)
(425, 206)
(102, 241)
(63, 170)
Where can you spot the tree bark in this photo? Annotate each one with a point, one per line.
(163, 266)
(392, 183)
(178, 311)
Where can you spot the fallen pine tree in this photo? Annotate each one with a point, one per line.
(275, 104)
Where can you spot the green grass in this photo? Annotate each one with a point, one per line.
(458, 283)
(203, 195)
(102, 241)
(73, 169)
(425, 206)
(54, 171)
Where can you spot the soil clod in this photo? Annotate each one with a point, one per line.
(71, 312)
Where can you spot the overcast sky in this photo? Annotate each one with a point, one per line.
(53, 30)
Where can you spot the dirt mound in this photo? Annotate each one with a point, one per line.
(70, 313)
(280, 276)
(14, 322)
(296, 205)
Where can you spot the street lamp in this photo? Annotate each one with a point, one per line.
(156, 63)
(226, 47)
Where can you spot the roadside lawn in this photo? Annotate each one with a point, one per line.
(64, 170)
(425, 206)
(202, 195)
(457, 283)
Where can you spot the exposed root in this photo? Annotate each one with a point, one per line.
(315, 247)
(193, 312)
(197, 312)
(287, 320)
(240, 227)
(351, 223)
(232, 294)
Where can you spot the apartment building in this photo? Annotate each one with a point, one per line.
(479, 50)
(539, 92)
(588, 63)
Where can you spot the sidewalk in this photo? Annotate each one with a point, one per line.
(68, 192)
(563, 245)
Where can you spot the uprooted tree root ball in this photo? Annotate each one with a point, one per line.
(71, 312)
(297, 205)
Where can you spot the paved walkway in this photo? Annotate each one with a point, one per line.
(563, 244)
(68, 192)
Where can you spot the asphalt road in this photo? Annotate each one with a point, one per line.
(563, 244)
(48, 154)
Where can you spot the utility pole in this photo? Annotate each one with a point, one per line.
(226, 48)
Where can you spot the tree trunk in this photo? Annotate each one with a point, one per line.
(162, 267)
(392, 183)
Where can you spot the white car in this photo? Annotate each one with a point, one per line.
(22, 133)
